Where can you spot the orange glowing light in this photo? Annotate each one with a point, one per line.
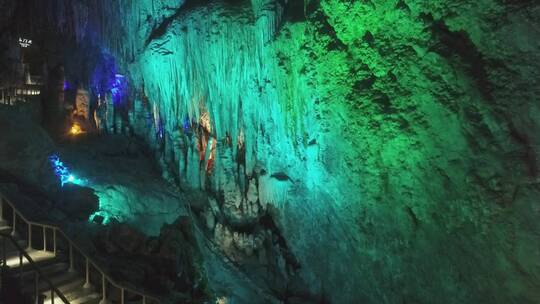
(76, 129)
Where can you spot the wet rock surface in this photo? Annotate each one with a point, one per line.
(417, 140)
(76, 202)
(345, 151)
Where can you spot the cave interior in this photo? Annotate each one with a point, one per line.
(270, 151)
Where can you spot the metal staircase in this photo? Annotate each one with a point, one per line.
(48, 267)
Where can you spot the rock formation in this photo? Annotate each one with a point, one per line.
(346, 151)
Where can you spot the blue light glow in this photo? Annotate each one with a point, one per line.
(160, 129)
(63, 172)
(105, 79)
(186, 125)
(119, 88)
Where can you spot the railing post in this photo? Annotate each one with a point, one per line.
(103, 290)
(1, 208)
(22, 253)
(14, 232)
(29, 237)
(71, 269)
(87, 284)
(4, 260)
(44, 238)
(3, 263)
(20, 265)
(54, 241)
(36, 287)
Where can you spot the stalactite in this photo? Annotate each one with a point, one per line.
(203, 66)
(81, 20)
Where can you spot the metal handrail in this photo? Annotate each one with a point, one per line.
(11, 94)
(54, 228)
(22, 253)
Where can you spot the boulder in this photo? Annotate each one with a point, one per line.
(127, 238)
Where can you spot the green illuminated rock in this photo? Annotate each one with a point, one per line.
(405, 130)
(376, 151)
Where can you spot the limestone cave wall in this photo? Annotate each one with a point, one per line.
(374, 151)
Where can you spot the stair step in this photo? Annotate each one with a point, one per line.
(79, 293)
(66, 289)
(47, 271)
(4, 225)
(71, 286)
(38, 256)
(72, 290)
(29, 277)
(11, 249)
(58, 279)
(69, 290)
(53, 267)
(92, 298)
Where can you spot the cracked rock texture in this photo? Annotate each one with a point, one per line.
(390, 147)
